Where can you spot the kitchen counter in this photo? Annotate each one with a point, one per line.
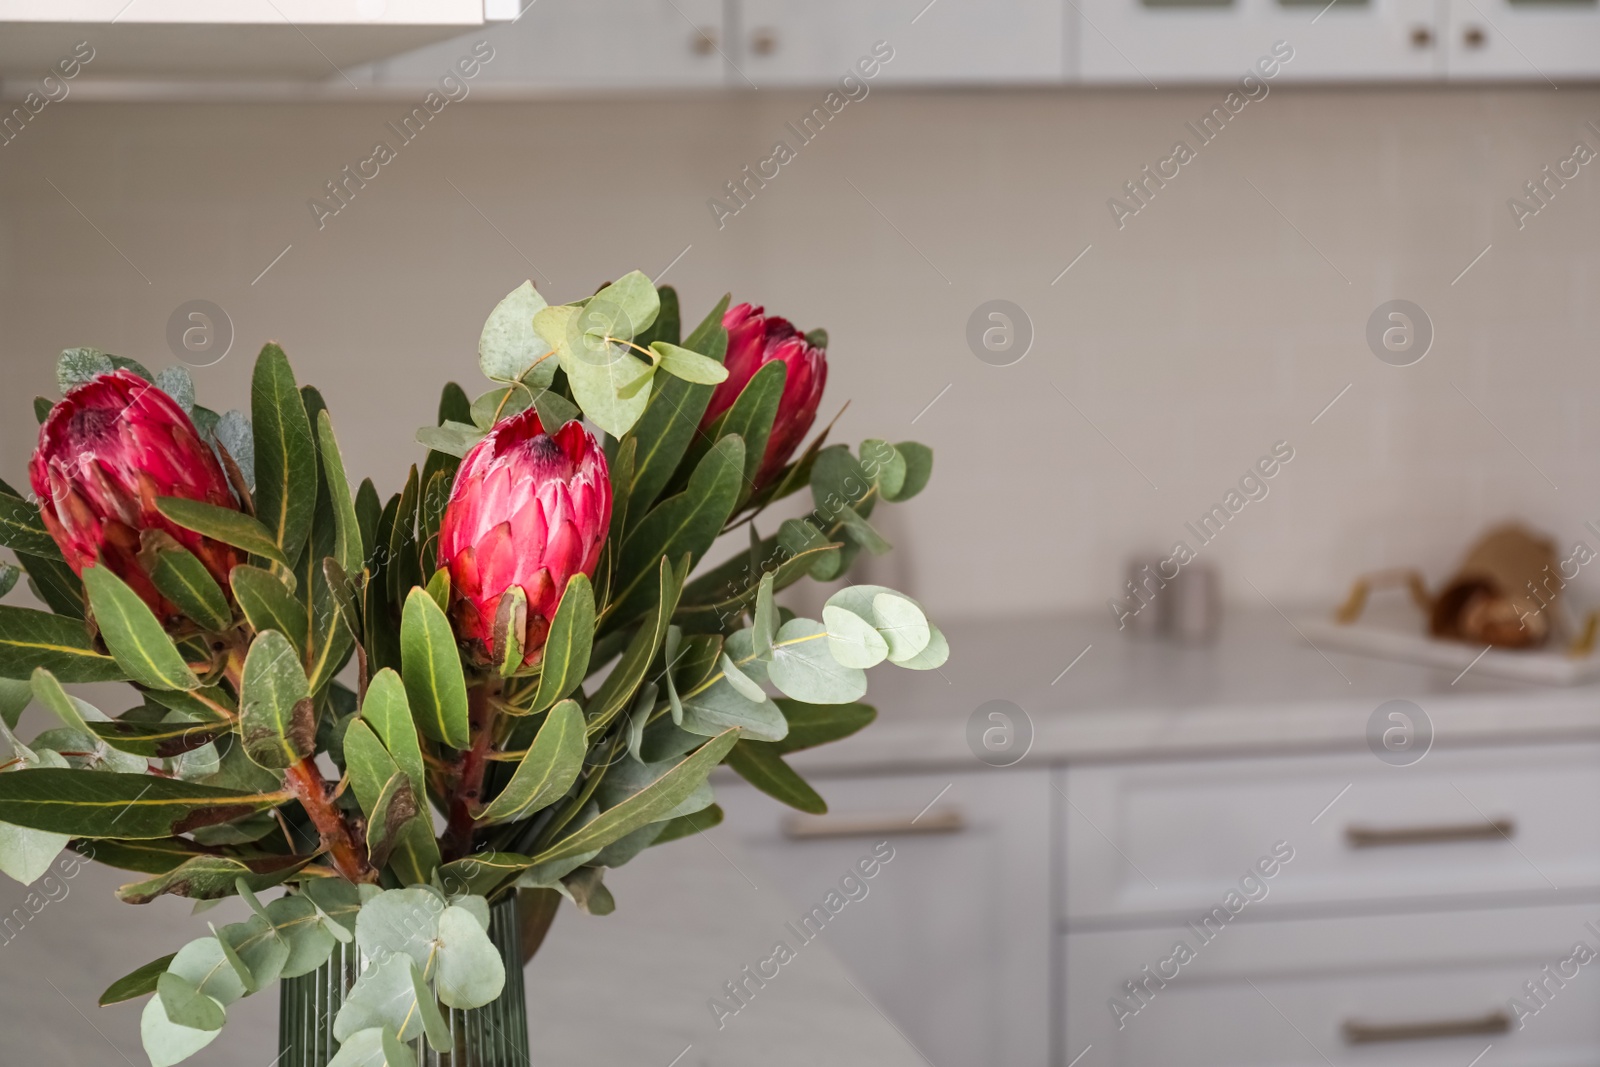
(1259, 686)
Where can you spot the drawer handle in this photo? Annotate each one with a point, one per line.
(1359, 1033)
(801, 828)
(1369, 837)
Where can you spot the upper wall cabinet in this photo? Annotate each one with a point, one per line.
(590, 45)
(815, 42)
(221, 39)
(1171, 42)
(1526, 40)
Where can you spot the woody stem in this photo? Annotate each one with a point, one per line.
(470, 772)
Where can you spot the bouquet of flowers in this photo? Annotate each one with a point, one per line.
(482, 692)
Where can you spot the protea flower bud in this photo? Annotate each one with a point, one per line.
(755, 340)
(107, 451)
(527, 509)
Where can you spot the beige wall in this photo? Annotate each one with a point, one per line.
(1206, 330)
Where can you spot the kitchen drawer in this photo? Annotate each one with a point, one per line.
(953, 939)
(1176, 838)
(1285, 994)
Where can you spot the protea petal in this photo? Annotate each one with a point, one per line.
(108, 450)
(528, 509)
(754, 340)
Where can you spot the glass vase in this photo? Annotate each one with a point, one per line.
(495, 1035)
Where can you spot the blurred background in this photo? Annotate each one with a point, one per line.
(985, 205)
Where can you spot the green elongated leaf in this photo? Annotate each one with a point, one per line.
(387, 712)
(184, 580)
(616, 692)
(918, 459)
(72, 712)
(268, 604)
(454, 404)
(689, 365)
(765, 626)
(431, 668)
(395, 807)
(837, 481)
(22, 530)
(53, 582)
(510, 629)
(405, 830)
(277, 720)
(212, 877)
(347, 529)
(30, 639)
(138, 983)
(133, 634)
(547, 770)
(223, 524)
(803, 667)
(746, 686)
(686, 523)
(684, 825)
(508, 346)
(41, 408)
(624, 309)
(157, 740)
(568, 644)
(125, 806)
(368, 512)
(819, 724)
(751, 418)
(646, 806)
(286, 453)
(720, 594)
(8, 577)
(15, 696)
(402, 567)
(758, 764)
(156, 856)
(482, 872)
(672, 417)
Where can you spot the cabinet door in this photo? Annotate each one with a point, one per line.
(1413, 990)
(596, 44)
(953, 938)
(816, 42)
(1524, 40)
(1165, 42)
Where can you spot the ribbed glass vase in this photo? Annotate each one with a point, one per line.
(495, 1035)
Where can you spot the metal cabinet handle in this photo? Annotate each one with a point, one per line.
(1371, 837)
(704, 41)
(815, 828)
(764, 41)
(1421, 37)
(1474, 37)
(1359, 1033)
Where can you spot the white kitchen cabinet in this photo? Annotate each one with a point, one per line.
(1537, 41)
(1408, 990)
(1509, 823)
(954, 938)
(212, 39)
(815, 42)
(595, 45)
(1167, 42)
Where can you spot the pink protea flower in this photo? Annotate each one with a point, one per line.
(527, 509)
(755, 340)
(107, 451)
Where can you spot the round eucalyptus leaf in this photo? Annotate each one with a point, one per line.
(803, 667)
(403, 921)
(902, 624)
(304, 930)
(383, 996)
(204, 963)
(186, 1005)
(933, 656)
(468, 972)
(854, 641)
(376, 1047)
(167, 1043)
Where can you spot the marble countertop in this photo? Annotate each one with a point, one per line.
(1089, 692)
